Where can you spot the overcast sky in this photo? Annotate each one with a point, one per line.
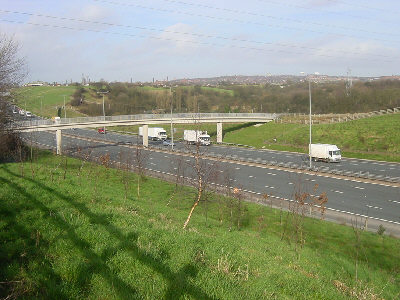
(122, 39)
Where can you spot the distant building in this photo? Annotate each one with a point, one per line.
(38, 83)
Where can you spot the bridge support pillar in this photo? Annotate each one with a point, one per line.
(219, 133)
(145, 136)
(58, 141)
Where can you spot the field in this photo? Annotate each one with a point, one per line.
(220, 90)
(370, 138)
(72, 229)
(44, 100)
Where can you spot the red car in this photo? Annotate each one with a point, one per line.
(101, 130)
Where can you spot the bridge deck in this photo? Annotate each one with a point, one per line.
(149, 119)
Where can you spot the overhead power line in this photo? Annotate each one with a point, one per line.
(253, 14)
(187, 41)
(186, 33)
(284, 3)
(365, 7)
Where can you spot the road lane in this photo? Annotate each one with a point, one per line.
(349, 164)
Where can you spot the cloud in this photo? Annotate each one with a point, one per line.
(93, 13)
(178, 38)
(322, 3)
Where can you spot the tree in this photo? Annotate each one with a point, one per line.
(202, 171)
(11, 75)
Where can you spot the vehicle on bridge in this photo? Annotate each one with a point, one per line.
(154, 133)
(325, 152)
(196, 137)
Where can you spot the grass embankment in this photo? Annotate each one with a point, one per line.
(67, 231)
(370, 138)
(45, 100)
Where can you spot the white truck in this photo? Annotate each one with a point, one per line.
(196, 137)
(325, 152)
(154, 133)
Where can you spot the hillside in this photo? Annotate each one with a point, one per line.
(45, 100)
(65, 234)
(125, 98)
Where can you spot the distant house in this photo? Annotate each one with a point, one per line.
(35, 84)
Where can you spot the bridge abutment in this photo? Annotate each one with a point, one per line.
(145, 135)
(219, 133)
(58, 142)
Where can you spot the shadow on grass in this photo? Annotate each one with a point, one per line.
(96, 263)
(21, 247)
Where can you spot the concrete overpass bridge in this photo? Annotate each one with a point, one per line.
(142, 119)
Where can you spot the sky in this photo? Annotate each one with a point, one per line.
(124, 40)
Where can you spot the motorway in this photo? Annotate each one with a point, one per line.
(349, 164)
(351, 196)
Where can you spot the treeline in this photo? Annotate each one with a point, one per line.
(124, 98)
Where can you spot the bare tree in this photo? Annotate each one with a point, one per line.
(303, 201)
(203, 172)
(179, 177)
(357, 229)
(140, 157)
(11, 75)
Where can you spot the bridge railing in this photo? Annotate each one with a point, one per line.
(152, 117)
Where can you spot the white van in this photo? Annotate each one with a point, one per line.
(325, 152)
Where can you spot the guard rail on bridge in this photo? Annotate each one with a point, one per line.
(82, 122)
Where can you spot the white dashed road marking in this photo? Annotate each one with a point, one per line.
(376, 207)
(394, 201)
(340, 192)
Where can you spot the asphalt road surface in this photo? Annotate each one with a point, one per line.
(348, 164)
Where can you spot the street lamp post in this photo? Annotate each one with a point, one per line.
(104, 112)
(65, 110)
(172, 128)
(310, 121)
(41, 105)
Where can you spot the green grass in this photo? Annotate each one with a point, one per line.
(371, 138)
(71, 234)
(220, 90)
(51, 98)
(152, 88)
(210, 88)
